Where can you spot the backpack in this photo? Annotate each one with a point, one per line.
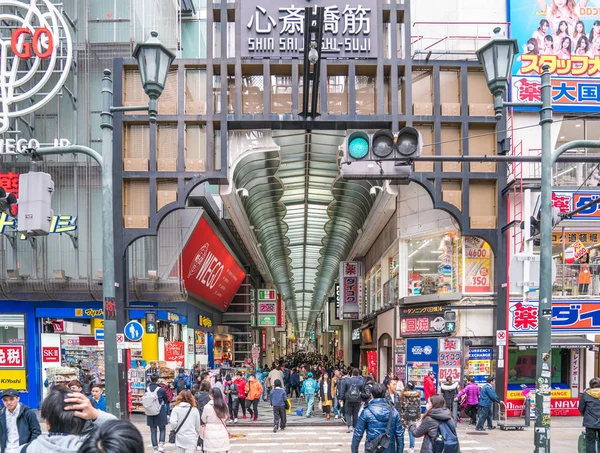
(169, 392)
(412, 412)
(446, 440)
(286, 375)
(180, 384)
(353, 395)
(152, 405)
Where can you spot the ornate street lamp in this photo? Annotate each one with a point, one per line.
(154, 61)
(497, 59)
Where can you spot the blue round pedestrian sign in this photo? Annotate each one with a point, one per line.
(134, 331)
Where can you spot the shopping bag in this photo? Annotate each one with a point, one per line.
(299, 411)
(289, 406)
(581, 443)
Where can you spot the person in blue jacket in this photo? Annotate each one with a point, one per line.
(486, 398)
(97, 397)
(374, 420)
(310, 387)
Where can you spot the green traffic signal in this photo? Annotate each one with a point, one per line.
(358, 145)
(450, 326)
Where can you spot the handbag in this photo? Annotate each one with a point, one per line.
(287, 405)
(173, 432)
(381, 442)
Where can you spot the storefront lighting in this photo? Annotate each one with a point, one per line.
(154, 61)
(420, 247)
(427, 262)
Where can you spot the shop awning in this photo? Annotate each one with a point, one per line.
(566, 342)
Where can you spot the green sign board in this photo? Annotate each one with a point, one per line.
(267, 294)
(266, 321)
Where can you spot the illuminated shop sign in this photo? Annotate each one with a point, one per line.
(568, 316)
(272, 29)
(37, 63)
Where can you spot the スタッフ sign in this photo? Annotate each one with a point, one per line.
(272, 28)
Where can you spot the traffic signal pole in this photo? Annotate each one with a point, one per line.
(113, 309)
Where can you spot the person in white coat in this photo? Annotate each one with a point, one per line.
(188, 429)
(214, 430)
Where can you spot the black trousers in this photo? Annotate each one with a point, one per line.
(253, 408)
(295, 389)
(236, 406)
(471, 411)
(279, 417)
(592, 436)
(351, 413)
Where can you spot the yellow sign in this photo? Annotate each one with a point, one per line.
(13, 379)
(173, 317)
(204, 321)
(97, 323)
(558, 394)
(586, 238)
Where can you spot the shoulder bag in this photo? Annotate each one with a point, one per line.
(173, 432)
(381, 442)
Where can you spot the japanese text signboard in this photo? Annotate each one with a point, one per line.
(562, 38)
(422, 321)
(569, 201)
(350, 288)
(11, 356)
(449, 359)
(273, 28)
(478, 259)
(568, 316)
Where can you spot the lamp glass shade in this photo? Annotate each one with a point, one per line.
(488, 64)
(154, 61)
(497, 59)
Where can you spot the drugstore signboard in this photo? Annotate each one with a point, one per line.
(568, 316)
(550, 36)
(567, 201)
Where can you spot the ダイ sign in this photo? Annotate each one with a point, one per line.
(11, 356)
(568, 316)
(276, 29)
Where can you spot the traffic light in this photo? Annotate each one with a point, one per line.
(7, 200)
(380, 154)
(536, 224)
(35, 201)
(151, 322)
(449, 321)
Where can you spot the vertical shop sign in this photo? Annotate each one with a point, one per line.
(350, 289)
(175, 352)
(449, 359)
(200, 342)
(480, 364)
(372, 362)
(575, 371)
(338, 311)
(263, 334)
(478, 259)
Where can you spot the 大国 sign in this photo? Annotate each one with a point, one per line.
(275, 29)
(568, 316)
(210, 270)
(32, 70)
(561, 37)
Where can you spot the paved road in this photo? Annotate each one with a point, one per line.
(333, 438)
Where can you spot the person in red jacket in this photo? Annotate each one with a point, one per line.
(429, 385)
(240, 383)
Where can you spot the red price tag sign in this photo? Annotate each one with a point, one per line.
(578, 250)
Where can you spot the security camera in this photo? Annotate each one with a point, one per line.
(243, 193)
(313, 56)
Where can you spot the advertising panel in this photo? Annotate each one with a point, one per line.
(175, 352)
(522, 364)
(11, 356)
(561, 35)
(567, 201)
(13, 379)
(422, 350)
(564, 407)
(350, 288)
(568, 316)
(422, 321)
(478, 261)
(273, 28)
(480, 364)
(209, 270)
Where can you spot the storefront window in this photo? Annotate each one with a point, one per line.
(449, 263)
(12, 329)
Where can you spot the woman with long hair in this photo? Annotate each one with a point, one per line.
(325, 390)
(436, 413)
(214, 431)
(532, 47)
(583, 46)
(579, 31)
(186, 420)
(540, 34)
(562, 32)
(565, 49)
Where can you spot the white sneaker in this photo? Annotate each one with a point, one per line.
(411, 450)
(337, 416)
(235, 420)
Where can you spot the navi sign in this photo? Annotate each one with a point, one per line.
(273, 29)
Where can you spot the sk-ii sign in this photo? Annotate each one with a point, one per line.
(273, 28)
(569, 201)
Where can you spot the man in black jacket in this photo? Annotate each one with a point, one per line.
(18, 423)
(589, 407)
(352, 391)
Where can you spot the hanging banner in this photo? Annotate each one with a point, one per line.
(350, 289)
(478, 261)
(175, 352)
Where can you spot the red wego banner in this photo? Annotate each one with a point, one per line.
(209, 270)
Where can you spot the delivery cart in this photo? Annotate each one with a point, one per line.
(518, 424)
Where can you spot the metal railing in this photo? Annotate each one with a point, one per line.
(572, 280)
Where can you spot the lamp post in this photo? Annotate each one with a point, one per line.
(497, 58)
(154, 61)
